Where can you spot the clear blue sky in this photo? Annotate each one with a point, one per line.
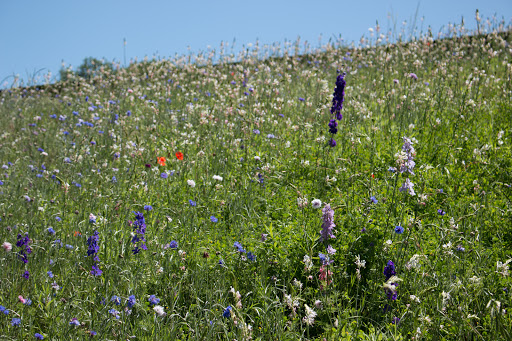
(42, 34)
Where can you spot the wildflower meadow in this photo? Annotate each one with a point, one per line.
(284, 192)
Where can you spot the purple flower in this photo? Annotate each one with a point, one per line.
(22, 243)
(413, 76)
(148, 208)
(92, 250)
(373, 199)
(74, 322)
(38, 336)
(164, 175)
(395, 320)
(338, 96)
(192, 203)
(173, 244)
(332, 142)
(139, 239)
(15, 321)
(389, 270)
(441, 212)
(213, 219)
(328, 223)
(26, 275)
(408, 187)
(333, 126)
(399, 229)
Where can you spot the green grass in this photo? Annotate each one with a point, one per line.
(453, 284)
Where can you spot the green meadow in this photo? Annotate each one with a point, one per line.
(285, 192)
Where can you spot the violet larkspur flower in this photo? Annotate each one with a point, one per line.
(389, 270)
(140, 231)
(338, 96)
(328, 223)
(408, 187)
(332, 142)
(26, 275)
(399, 229)
(22, 243)
(333, 126)
(92, 250)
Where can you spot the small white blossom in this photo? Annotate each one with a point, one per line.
(316, 203)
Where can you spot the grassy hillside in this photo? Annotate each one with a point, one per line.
(186, 199)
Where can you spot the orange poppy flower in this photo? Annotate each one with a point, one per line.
(77, 233)
(161, 161)
(179, 155)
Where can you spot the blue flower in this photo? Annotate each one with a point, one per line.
(148, 207)
(213, 219)
(227, 312)
(399, 229)
(74, 322)
(50, 274)
(251, 256)
(114, 313)
(441, 212)
(192, 203)
(116, 300)
(239, 247)
(153, 300)
(15, 321)
(131, 301)
(373, 199)
(173, 244)
(38, 336)
(51, 230)
(164, 175)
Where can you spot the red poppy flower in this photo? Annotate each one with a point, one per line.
(179, 155)
(161, 161)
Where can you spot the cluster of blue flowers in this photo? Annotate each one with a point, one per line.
(140, 231)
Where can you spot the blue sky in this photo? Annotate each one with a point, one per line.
(40, 35)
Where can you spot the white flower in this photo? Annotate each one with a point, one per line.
(414, 298)
(308, 264)
(159, 310)
(217, 177)
(191, 183)
(309, 319)
(257, 158)
(316, 203)
(360, 263)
